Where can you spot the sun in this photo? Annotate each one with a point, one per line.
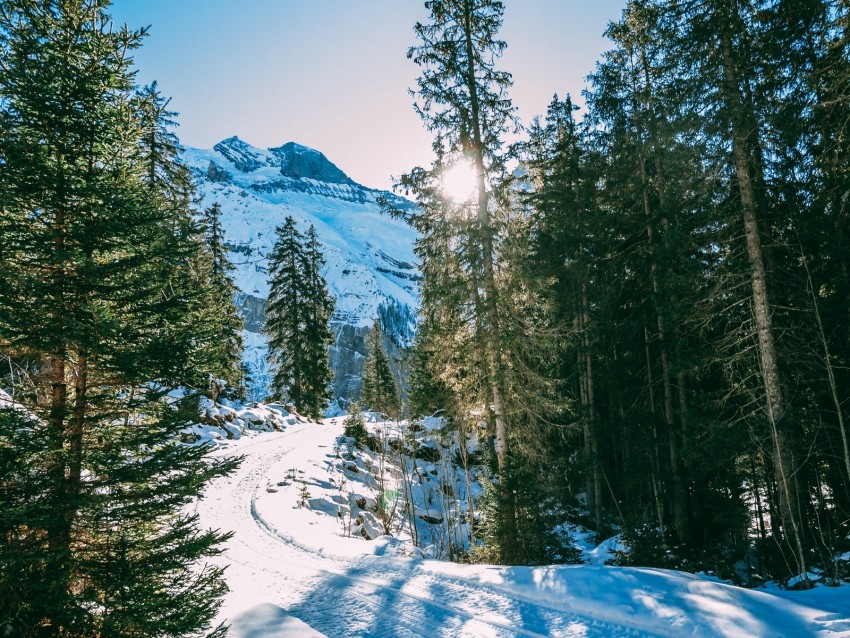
(460, 182)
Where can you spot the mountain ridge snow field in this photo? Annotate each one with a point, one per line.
(300, 564)
(371, 269)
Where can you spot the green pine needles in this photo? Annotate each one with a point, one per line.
(221, 317)
(297, 320)
(106, 284)
(379, 391)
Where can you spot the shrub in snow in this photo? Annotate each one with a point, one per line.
(354, 427)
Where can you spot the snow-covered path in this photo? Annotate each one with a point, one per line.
(291, 571)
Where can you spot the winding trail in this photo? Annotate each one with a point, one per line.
(276, 574)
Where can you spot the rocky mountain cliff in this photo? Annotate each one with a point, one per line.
(371, 269)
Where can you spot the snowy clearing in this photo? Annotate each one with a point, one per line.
(292, 573)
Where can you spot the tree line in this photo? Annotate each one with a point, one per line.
(646, 307)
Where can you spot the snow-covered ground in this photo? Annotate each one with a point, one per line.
(294, 571)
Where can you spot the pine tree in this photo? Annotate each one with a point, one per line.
(318, 377)
(632, 95)
(97, 542)
(220, 265)
(211, 333)
(429, 394)
(193, 334)
(379, 392)
(285, 312)
(160, 148)
(462, 98)
(729, 58)
(826, 66)
(223, 317)
(354, 426)
(297, 320)
(560, 259)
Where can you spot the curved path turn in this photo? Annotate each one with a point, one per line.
(275, 576)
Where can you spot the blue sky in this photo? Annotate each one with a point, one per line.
(333, 74)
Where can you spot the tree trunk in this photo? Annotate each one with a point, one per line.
(741, 130)
(493, 335)
(587, 397)
(759, 515)
(76, 429)
(464, 457)
(655, 476)
(59, 532)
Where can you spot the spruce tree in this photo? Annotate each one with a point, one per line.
(159, 146)
(379, 392)
(462, 98)
(632, 95)
(729, 62)
(318, 336)
(98, 542)
(428, 393)
(285, 312)
(225, 351)
(297, 319)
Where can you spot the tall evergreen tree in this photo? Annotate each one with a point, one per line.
(297, 320)
(650, 178)
(462, 98)
(224, 320)
(285, 313)
(379, 391)
(562, 220)
(160, 148)
(220, 265)
(320, 307)
(98, 543)
(729, 60)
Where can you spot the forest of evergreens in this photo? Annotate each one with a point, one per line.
(649, 314)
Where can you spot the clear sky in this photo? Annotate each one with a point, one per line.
(333, 74)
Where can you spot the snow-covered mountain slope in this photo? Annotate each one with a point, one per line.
(295, 571)
(371, 269)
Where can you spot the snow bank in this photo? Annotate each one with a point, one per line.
(662, 602)
(269, 621)
(220, 423)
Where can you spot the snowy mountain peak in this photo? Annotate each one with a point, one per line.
(273, 172)
(242, 155)
(302, 162)
(371, 267)
(292, 160)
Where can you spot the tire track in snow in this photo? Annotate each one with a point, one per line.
(253, 483)
(358, 590)
(272, 533)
